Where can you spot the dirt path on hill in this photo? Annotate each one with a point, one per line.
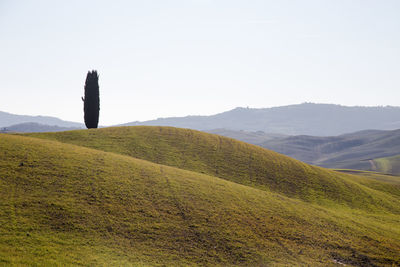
(174, 195)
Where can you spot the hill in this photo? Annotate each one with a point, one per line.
(33, 127)
(228, 159)
(255, 138)
(8, 119)
(371, 150)
(65, 204)
(302, 119)
(349, 151)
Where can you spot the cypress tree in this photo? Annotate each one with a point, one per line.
(91, 101)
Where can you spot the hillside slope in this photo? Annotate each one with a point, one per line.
(63, 204)
(352, 150)
(355, 151)
(302, 119)
(231, 160)
(255, 138)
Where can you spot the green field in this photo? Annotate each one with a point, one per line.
(145, 196)
(388, 164)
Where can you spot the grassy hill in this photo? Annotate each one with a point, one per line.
(380, 181)
(231, 160)
(255, 138)
(370, 150)
(68, 204)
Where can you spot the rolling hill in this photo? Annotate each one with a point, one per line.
(302, 119)
(255, 138)
(371, 150)
(225, 158)
(164, 196)
(350, 151)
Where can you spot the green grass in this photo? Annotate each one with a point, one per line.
(379, 181)
(64, 204)
(231, 160)
(388, 164)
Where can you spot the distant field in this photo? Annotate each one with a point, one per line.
(85, 198)
(388, 164)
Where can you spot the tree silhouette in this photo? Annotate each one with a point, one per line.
(91, 101)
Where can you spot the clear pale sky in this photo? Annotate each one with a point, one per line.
(199, 57)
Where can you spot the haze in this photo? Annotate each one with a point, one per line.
(175, 58)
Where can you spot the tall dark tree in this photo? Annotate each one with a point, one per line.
(91, 101)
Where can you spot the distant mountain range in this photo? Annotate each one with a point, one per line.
(8, 119)
(33, 127)
(302, 119)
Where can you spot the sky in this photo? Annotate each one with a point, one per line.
(196, 57)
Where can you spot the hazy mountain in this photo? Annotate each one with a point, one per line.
(8, 119)
(302, 119)
(33, 127)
